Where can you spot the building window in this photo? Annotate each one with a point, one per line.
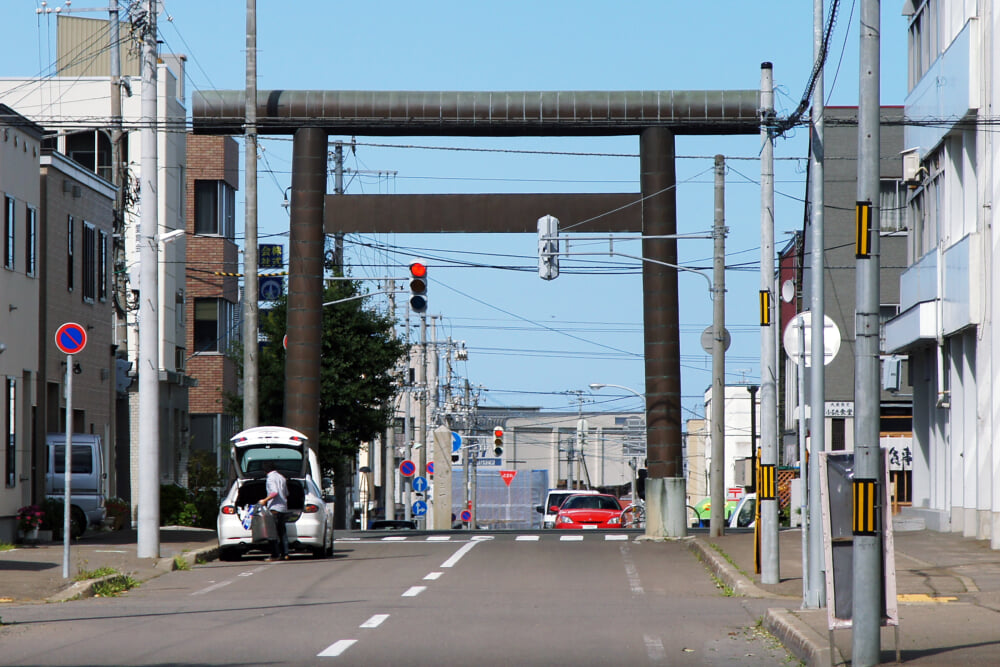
(30, 241)
(10, 390)
(215, 209)
(213, 324)
(89, 278)
(69, 253)
(838, 434)
(8, 233)
(892, 204)
(102, 265)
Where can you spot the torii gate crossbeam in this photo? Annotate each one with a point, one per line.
(656, 117)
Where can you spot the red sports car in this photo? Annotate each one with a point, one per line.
(589, 511)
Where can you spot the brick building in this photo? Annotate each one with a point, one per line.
(212, 288)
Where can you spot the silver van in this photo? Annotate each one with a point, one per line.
(87, 478)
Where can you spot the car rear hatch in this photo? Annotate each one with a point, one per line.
(255, 448)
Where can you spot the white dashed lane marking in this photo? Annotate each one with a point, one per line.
(432, 576)
(414, 591)
(374, 621)
(336, 648)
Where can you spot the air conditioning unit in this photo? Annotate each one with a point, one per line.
(911, 166)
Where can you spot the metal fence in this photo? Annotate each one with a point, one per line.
(499, 506)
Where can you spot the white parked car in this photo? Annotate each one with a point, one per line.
(310, 521)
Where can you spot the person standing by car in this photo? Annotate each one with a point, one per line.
(276, 501)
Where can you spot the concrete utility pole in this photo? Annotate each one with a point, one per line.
(148, 534)
(251, 415)
(717, 515)
(389, 456)
(867, 549)
(767, 496)
(338, 188)
(815, 596)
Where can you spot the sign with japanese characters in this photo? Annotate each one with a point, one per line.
(270, 256)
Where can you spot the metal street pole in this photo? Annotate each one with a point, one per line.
(148, 534)
(67, 466)
(816, 589)
(867, 548)
(716, 520)
(767, 497)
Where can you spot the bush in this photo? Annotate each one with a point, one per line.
(52, 518)
(119, 513)
(172, 501)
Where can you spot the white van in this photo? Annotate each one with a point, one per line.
(87, 478)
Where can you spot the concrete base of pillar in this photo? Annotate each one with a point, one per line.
(666, 507)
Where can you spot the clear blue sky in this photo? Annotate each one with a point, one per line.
(529, 340)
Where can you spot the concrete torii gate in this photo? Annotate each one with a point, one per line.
(655, 116)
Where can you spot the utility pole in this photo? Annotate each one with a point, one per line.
(718, 491)
(389, 456)
(867, 548)
(815, 590)
(767, 497)
(338, 188)
(250, 370)
(148, 534)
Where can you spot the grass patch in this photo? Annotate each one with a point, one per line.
(723, 588)
(729, 559)
(180, 563)
(84, 575)
(6, 546)
(114, 586)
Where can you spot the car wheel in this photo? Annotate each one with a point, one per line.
(229, 553)
(77, 522)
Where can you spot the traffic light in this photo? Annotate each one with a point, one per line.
(418, 286)
(498, 441)
(548, 247)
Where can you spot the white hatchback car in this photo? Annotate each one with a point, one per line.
(310, 520)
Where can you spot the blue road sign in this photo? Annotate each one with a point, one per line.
(270, 288)
(420, 484)
(419, 508)
(71, 338)
(456, 441)
(466, 516)
(430, 467)
(407, 468)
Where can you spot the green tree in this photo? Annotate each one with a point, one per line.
(359, 355)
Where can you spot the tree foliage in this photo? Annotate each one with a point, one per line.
(357, 382)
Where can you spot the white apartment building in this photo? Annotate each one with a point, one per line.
(948, 299)
(77, 110)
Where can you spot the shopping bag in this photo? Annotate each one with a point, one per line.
(248, 517)
(262, 526)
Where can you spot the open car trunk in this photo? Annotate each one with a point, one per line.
(254, 490)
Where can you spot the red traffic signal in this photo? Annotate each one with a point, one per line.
(418, 286)
(498, 441)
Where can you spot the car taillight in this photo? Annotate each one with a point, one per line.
(310, 509)
(228, 509)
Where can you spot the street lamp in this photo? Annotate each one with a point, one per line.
(595, 386)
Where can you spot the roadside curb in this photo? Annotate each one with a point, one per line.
(796, 636)
(85, 589)
(801, 640)
(730, 576)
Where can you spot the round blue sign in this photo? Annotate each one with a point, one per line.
(466, 516)
(407, 468)
(71, 338)
(419, 508)
(430, 467)
(456, 441)
(420, 484)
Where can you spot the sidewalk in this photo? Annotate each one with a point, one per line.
(948, 589)
(35, 573)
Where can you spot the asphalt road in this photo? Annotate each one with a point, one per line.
(505, 599)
